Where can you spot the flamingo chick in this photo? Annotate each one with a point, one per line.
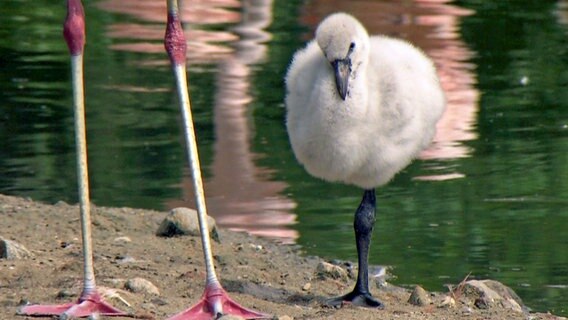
(359, 110)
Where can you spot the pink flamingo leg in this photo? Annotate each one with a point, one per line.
(215, 301)
(90, 303)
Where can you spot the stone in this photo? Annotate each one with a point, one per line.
(307, 287)
(12, 250)
(184, 221)
(285, 318)
(477, 289)
(65, 293)
(328, 270)
(140, 285)
(466, 311)
(487, 293)
(419, 297)
(126, 259)
(123, 239)
(504, 291)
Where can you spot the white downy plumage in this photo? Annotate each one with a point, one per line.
(391, 102)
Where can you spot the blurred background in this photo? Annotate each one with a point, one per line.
(489, 197)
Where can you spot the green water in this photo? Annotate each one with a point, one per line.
(500, 211)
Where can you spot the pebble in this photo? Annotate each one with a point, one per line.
(419, 297)
(328, 270)
(12, 250)
(64, 294)
(123, 239)
(140, 285)
(159, 302)
(126, 259)
(184, 221)
(307, 287)
(285, 318)
(466, 311)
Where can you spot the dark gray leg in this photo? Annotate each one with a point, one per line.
(363, 225)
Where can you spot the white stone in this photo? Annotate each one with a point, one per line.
(140, 285)
(12, 250)
(183, 221)
(328, 270)
(419, 297)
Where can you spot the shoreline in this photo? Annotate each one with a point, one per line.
(259, 273)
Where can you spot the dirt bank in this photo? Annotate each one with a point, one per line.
(260, 274)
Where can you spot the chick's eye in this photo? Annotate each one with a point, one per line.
(352, 46)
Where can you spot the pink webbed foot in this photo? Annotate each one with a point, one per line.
(87, 305)
(214, 304)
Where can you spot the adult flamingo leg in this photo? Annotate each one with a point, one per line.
(90, 303)
(215, 301)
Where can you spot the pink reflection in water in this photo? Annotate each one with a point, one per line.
(204, 46)
(238, 185)
(244, 187)
(240, 194)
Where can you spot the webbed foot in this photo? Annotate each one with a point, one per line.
(360, 299)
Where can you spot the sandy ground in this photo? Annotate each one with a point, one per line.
(260, 274)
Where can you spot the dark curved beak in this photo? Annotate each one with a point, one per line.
(342, 69)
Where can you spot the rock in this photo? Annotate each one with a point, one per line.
(184, 221)
(123, 239)
(126, 259)
(140, 285)
(466, 311)
(328, 270)
(505, 292)
(487, 293)
(477, 289)
(285, 318)
(307, 287)
(159, 302)
(419, 297)
(12, 250)
(65, 293)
